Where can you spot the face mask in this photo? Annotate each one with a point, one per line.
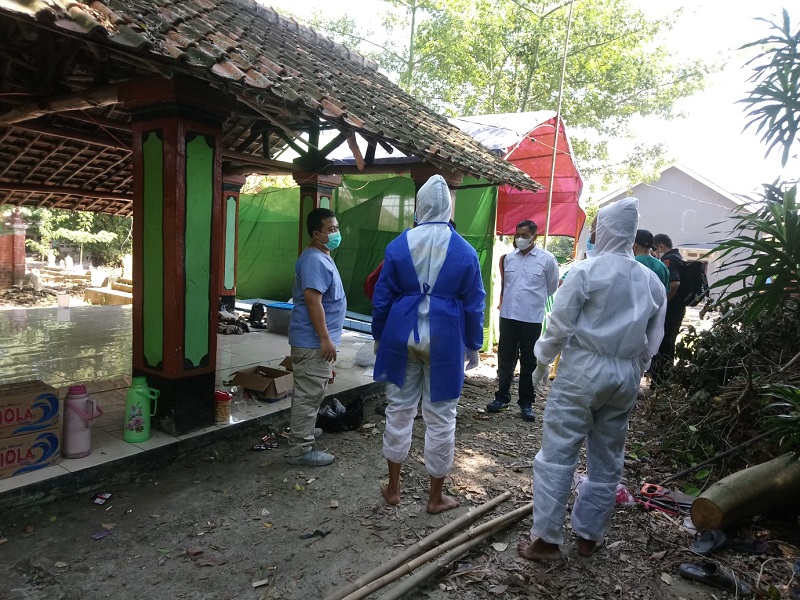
(334, 239)
(589, 246)
(523, 243)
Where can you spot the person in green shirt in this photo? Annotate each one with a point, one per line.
(642, 246)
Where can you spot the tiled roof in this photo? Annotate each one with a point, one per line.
(279, 68)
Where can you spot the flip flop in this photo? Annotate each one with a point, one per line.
(716, 575)
(709, 541)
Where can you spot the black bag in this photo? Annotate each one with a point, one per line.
(257, 312)
(694, 283)
(351, 419)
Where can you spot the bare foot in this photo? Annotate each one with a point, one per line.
(538, 550)
(392, 497)
(441, 504)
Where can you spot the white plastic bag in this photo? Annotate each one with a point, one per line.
(365, 357)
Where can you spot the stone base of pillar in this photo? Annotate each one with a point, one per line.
(185, 404)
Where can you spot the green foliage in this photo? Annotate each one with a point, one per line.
(784, 417)
(106, 237)
(762, 257)
(773, 101)
(742, 375)
(469, 57)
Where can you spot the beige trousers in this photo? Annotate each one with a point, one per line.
(311, 375)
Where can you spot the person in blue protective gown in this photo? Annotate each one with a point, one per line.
(607, 322)
(427, 310)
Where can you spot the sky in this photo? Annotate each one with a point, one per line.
(710, 139)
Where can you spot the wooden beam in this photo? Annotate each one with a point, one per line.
(71, 134)
(271, 166)
(103, 122)
(50, 189)
(101, 96)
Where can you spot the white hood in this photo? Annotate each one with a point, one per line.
(616, 228)
(433, 201)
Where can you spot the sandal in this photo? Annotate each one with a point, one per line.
(709, 541)
(716, 575)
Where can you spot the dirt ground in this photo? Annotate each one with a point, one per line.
(214, 522)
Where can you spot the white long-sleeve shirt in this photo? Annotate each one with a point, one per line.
(528, 280)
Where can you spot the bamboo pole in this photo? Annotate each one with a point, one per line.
(429, 571)
(489, 527)
(420, 546)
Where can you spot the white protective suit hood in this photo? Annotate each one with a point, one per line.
(616, 228)
(433, 201)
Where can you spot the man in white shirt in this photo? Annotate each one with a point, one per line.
(529, 276)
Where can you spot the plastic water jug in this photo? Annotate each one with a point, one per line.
(80, 409)
(137, 410)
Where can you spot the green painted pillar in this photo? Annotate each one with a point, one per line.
(178, 246)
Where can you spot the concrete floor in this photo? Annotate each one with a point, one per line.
(92, 345)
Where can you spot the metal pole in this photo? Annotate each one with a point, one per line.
(558, 126)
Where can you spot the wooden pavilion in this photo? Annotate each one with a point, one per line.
(159, 109)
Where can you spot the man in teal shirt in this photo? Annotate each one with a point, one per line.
(642, 246)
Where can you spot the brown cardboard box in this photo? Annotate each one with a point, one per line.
(28, 407)
(270, 384)
(286, 363)
(29, 452)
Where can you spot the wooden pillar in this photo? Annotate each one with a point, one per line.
(316, 191)
(231, 187)
(177, 247)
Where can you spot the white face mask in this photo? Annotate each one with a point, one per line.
(523, 243)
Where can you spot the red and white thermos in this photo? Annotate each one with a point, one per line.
(80, 409)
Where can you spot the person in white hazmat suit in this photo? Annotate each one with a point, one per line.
(427, 310)
(607, 322)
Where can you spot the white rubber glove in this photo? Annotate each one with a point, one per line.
(375, 347)
(540, 376)
(473, 359)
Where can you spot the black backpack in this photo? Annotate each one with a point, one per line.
(257, 312)
(694, 283)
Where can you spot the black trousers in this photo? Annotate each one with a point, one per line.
(517, 339)
(666, 351)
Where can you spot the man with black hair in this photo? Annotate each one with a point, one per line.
(676, 310)
(315, 330)
(529, 277)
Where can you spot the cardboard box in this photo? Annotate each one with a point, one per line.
(286, 363)
(269, 384)
(29, 452)
(28, 407)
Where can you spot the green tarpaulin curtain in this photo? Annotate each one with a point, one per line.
(372, 211)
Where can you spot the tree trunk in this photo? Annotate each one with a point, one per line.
(769, 486)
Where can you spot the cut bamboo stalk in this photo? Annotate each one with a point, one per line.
(492, 526)
(771, 485)
(419, 547)
(429, 571)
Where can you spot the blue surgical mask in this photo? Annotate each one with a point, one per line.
(334, 239)
(589, 246)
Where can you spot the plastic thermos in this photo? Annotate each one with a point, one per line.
(80, 409)
(137, 410)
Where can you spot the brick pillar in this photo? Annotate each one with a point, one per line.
(177, 247)
(12, 251)
(316, 191)
(231, 186)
